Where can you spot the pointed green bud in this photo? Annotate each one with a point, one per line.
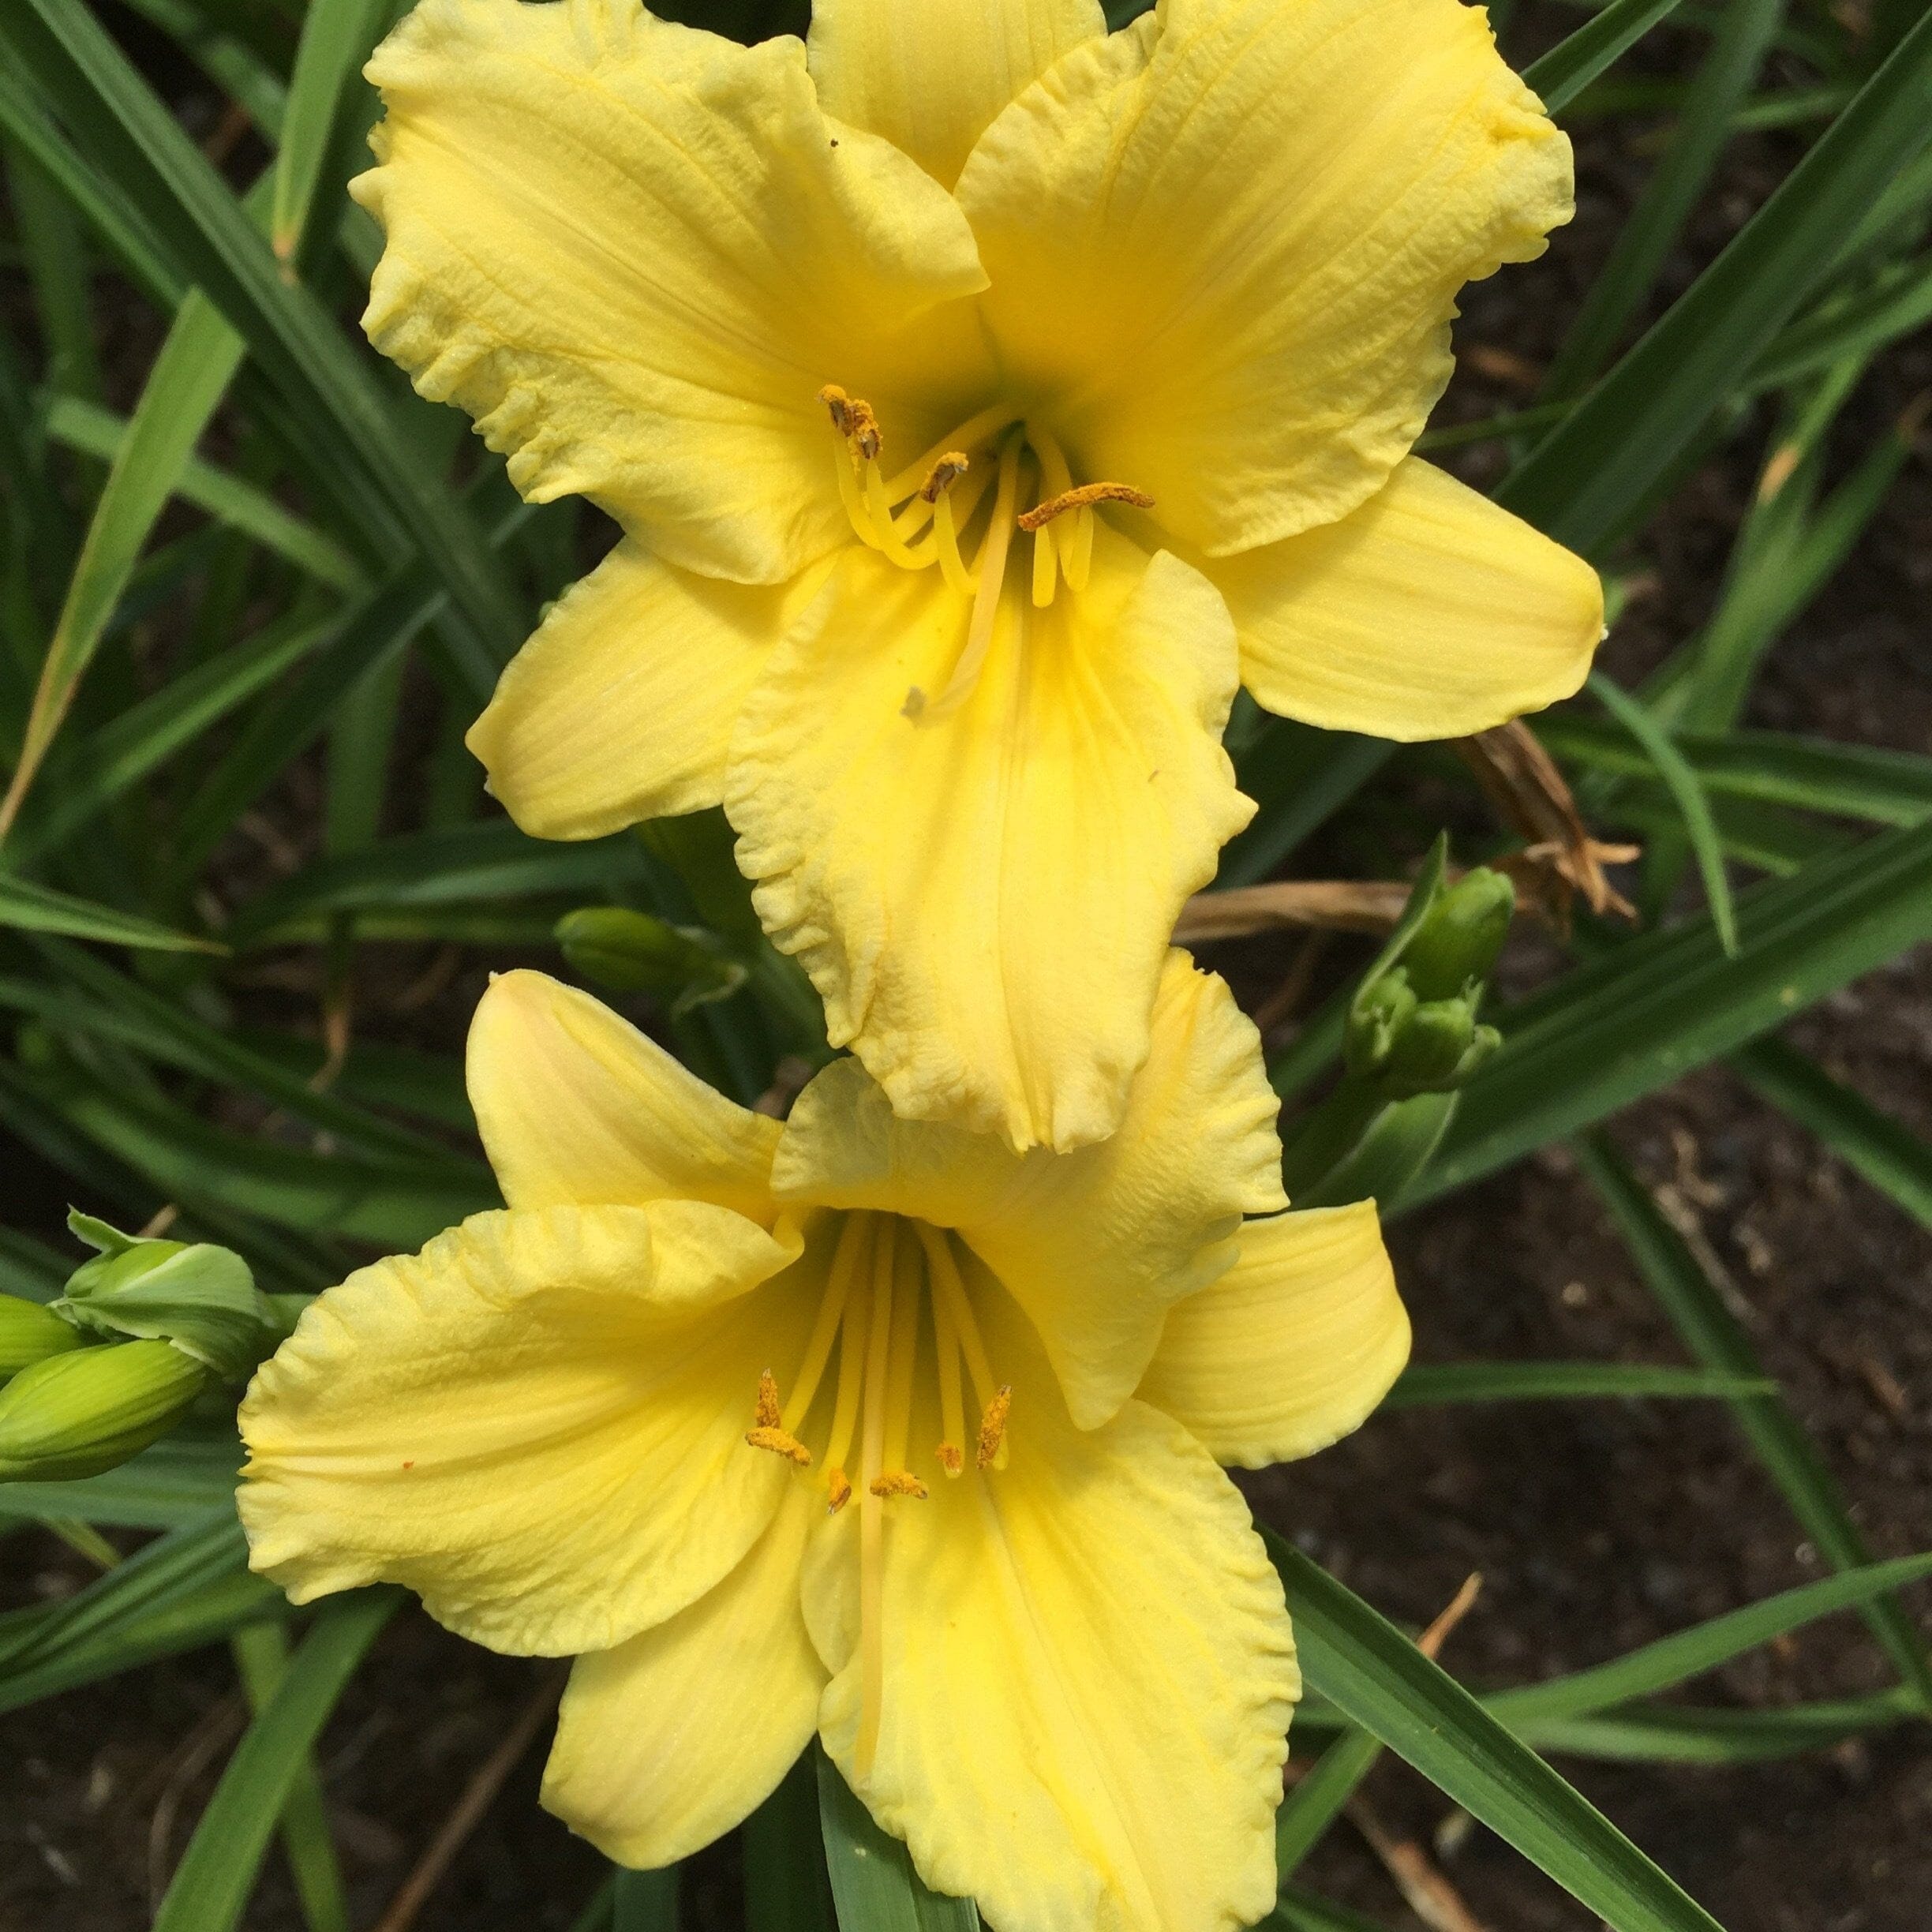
(30, 1333)
(76, 1414)
(633, 952)
(1451, 952)
(200, 1297)
(1429, 1049)
(1376, 1016)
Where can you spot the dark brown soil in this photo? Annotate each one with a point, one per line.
(1595, 1527)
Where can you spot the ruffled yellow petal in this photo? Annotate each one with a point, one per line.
(1088, 1676)
(634, 252)
(537, 1423)
(1429, 612)
(669, 1741)
(576, 1106)
(1293, 1347)
(1224, 244)
(620, 706)
(1095, 1244)
(983, 898)
(928, 75)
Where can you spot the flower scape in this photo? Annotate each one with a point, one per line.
(983, 398)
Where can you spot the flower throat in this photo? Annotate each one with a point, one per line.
(885, 1272)
(918, 517)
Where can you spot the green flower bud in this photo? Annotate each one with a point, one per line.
(1430, 1048)
(1451, 952)
(76, 1414)
(30, 1333)
(633, 952)
(200, 1297)
(1376, 1016)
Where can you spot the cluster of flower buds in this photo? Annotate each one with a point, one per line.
(1412, 1026)
(112, 1365)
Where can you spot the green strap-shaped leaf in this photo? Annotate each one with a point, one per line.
(1315, 1801)
(240, 506)
(1690, 1733)
(1428, 1384)
(145, 737)
(336, 414)
(786, 1888)
(175, 1482)
(1681, 782)
(337, 37)
(1380, 1680)
(1650, 1009)
(1856, 782)
(261, 1656)
(211, 1884)
(204, 1615)
(1585, 477)
(1673, 1659)
(29, 908)
(1737, 49)
(1570, 66)
(1890, 1156)
(1715, 1335)
(873, 1884)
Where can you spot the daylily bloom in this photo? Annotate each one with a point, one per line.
(982, 396)
(859, 1425)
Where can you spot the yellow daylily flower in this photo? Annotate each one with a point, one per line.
(859, 1425)
(982, 397)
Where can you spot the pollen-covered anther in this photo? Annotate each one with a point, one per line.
(770, 1433)
(898, 1483)
(943, 474)
(951, 1458)
(780, 1443)
(1082, 498)
(993, 1427)
(853, 418)
(838, 1491)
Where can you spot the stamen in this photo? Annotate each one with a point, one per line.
(894, 1479)
(996, 416)
(853, 418)
(1056, 480)
(770, 1433)
(1088, 494)
(849, 493)
(990, 569)
(993, 1429)
(890, 539)
(871, 1508)
(1078, 552)
(943, 474)
(826, 1325)
(952, 1410)
(851, 1376)
(943, 1271)
(1045, 544)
